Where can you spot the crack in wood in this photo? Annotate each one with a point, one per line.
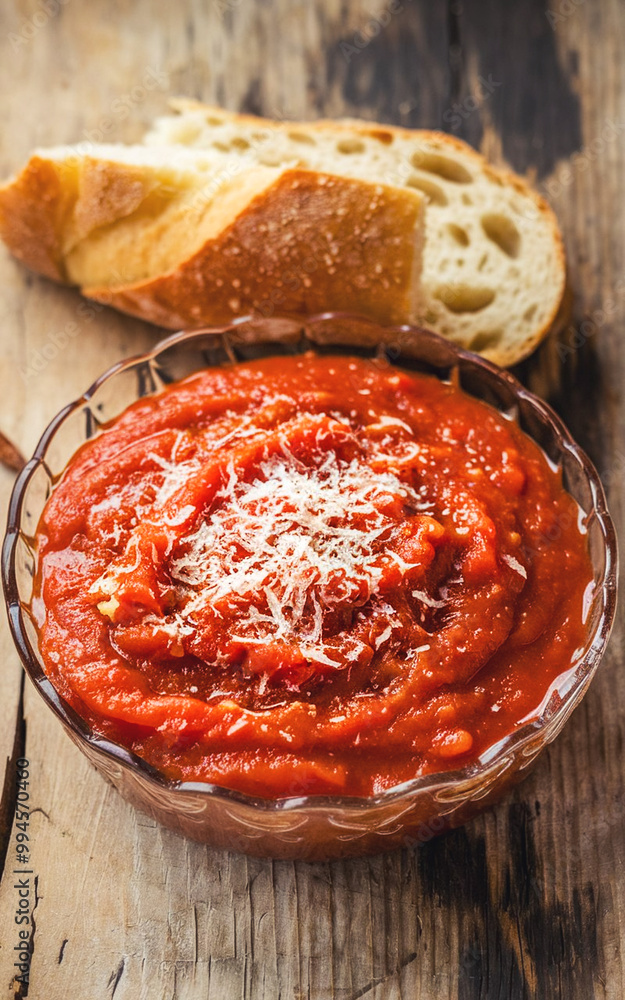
(8, 799)
(39, 810)
(62, 951)
(33, 924)
(21, 987)
(195, 932)
(380, 980)
(115, 976)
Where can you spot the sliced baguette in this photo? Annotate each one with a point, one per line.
(218, 214)
(493, 270)
(186, 238)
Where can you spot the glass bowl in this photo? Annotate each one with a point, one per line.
(311, 827)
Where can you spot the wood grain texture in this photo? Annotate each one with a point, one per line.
(529, 900)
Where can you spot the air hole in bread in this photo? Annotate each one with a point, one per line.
(485, 339)
(482, 263)
(529, 313)
(459, 234)
(460, 298)
(221, 146)
(270, 160)
(433, 192)
(382, 136)
(188, 132)
(239, 143)
(212, 120)
(350, 146)
(466, 198)
(301, 137)
(442, 166)
(502, 231)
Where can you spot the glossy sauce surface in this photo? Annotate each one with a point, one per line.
(309, 575)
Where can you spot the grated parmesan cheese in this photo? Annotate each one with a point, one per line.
(291, 544)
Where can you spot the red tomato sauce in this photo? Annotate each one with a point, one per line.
(309, 575)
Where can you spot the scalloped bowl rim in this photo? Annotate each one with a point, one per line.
(490, 760)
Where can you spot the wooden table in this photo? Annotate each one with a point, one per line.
(527, 901)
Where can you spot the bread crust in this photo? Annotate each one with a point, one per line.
(308, 243)
(51, 205)
(32, 210)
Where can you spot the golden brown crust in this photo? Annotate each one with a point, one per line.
(33, 207)
(310, 242)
